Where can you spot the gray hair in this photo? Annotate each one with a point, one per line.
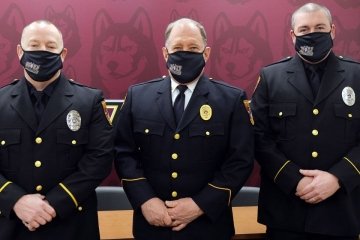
(185, 21)
(311, 7)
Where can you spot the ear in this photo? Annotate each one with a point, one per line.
(14, 18)
(222, 24)
(193, 15)
(49, 13)
(207, 53)
(333, 31)
(258, 25)
(63, 54)
(292, 35)
(141, 22)
(69, 12)
(19, 51)
(174, 15)
(165, 53)
(102, 23)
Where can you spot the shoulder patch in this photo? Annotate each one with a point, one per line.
(107, 115)
(347, 59)
(13, 82)
(248, 109)
(288, 58)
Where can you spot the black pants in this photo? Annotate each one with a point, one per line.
(276, 234)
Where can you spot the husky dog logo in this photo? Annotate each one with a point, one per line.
(240, 51)
(11, 24)
(123, 53)
(67, 24)
(346, 42)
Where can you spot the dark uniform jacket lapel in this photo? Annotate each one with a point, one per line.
(55, 107)
(22, 104)
(297, 78)
(331, 79)
(165, 104)
(197, 99)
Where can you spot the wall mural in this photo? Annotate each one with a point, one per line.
(115, 43)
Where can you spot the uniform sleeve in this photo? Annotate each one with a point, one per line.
(10, 193)
(127, 161)
(235, 168)
(93, 167)
(273, 162)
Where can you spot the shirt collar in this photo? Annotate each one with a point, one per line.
(191, 86)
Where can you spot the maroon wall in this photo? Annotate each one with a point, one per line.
(115, 43)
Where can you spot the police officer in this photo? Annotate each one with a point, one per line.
(55, 146)
(307, 128)
(181, 168)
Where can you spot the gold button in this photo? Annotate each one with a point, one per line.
(174, 175)
(37, 164)
(147, 130)
(350, 115)
(315, 132)
(39, 188)
(0, 212)
(314, 154)
(80, 208)
(280, 114)
(177, 136)
(73, 142)
(174, 194)
(174, 156)
(38, 140)
(207, 133)
(315, 111)
(3, 142)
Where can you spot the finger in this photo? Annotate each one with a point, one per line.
(179, 227)
(33, 224)
(171, 204)
(167, 220)
(309, 173)
(306, 190)
(50, 211)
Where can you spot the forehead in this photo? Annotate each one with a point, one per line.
(41, 32)
(302, 19)
(185, 33)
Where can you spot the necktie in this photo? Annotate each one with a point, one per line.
(314, 80)
(179, 103)
(39, 104)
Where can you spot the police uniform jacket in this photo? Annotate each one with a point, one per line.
(207, 160)
(296, 131)
(48, 158)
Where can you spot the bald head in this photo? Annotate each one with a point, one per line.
(185, 23)
(42, 35)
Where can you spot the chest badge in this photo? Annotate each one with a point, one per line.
(73, 120)
(205, 112)
(348, 96)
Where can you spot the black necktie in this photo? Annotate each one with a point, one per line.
(179, 103)
(314, 80)
(39, 104)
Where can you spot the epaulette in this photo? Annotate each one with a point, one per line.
(347, 59)
(222, 83)
(77, 83)
(288, 58)
(151, 81)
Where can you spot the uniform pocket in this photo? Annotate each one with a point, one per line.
(349, 117)
(146, 133)
(10, 150)
(71, 146)
(282, 120)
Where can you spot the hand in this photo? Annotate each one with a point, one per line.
(323, 186)
(155, 212)
(182, 212)
(34, 211)
(303, 183)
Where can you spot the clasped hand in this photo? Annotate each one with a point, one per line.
(176, 214)
(33, 210)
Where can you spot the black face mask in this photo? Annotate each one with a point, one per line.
(41, 65)
(314, 47)
(185, 66)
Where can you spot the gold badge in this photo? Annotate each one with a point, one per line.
(248, 109)
(205, 112)
(103, 104)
